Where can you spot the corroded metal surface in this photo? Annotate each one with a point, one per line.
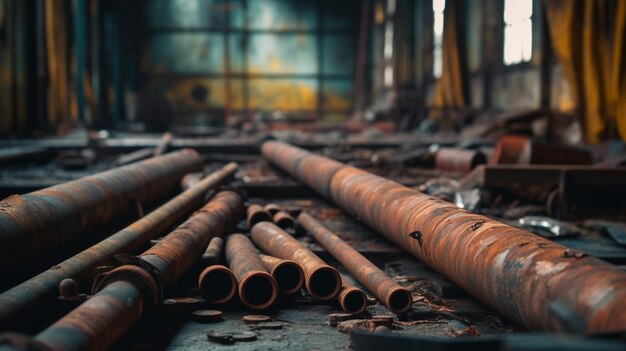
(258, 290)
(321, 280)
(284, 220)
(458, 160)
(288, 273)
(25, 299)
(38, 222)
(513, 271)
(394, 296)
(213, 252)
(123, 293)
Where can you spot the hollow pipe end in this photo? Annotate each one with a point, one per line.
(289, 276)
(323, 283)
(258, 290)
(135, 275)
(399, 300)
(352, 300)
(217, 284)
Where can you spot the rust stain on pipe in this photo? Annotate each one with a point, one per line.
(25, 299)
(321, 280)
(122, 295)
(256, 214)
(458, 160)
(284, 221)
(287, 273)
(257, 288)
(390, 293)
(43, 220)
(351, 299)
(511, 270)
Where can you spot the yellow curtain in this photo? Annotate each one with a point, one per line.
(582, 44)
(449, 88)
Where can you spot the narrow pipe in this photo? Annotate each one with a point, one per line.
(191, 179)
(27, 299)
(390, 293)
(213, 252)
(123, 294)
(287, 273)
(39, 222)
(351, 299)
(321, 280)
(284, 221)
(513, 271)
(256, 214)
(272, 208)
(257, 288)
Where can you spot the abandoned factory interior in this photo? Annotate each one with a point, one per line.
(313, 175)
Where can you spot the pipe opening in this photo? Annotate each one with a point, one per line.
(354, 301)
(325, 283)
(289, 277)
(218, 285)
(400, 301)
(286, 224)
(258, 291)
(258, 217)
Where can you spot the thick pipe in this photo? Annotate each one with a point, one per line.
(458, 160)
(41, 221)
(123, 294)
(256, 214)
(322, 281)
(284, 221)
(351, 299)
(515, 272)
(257, 288)
(397, 298)
(217, 283)
(287, 273)
(26, 299)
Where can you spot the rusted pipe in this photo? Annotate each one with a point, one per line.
(515, 272)
(41, 221)
(284, 221)
(287, 273)
(191, 179)
(217, 283)
(163, 144)
(321, 280)
(272, 208)
(213, 252)
(256, 214)
(123, 294)
(257, 288)
(397, 298)
(351, 299)
(26, 300)
(458, 160)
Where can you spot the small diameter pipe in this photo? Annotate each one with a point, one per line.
(257, 288)
(322, 281)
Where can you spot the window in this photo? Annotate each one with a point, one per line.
(438, 7)
(518, 31)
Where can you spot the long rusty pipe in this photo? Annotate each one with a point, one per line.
(217, 283)
(390, 293)
(38, 222)
(123, 294)
(258, 290)
(287, 273)
(321, 280)
(26, 300)
(515, 272)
